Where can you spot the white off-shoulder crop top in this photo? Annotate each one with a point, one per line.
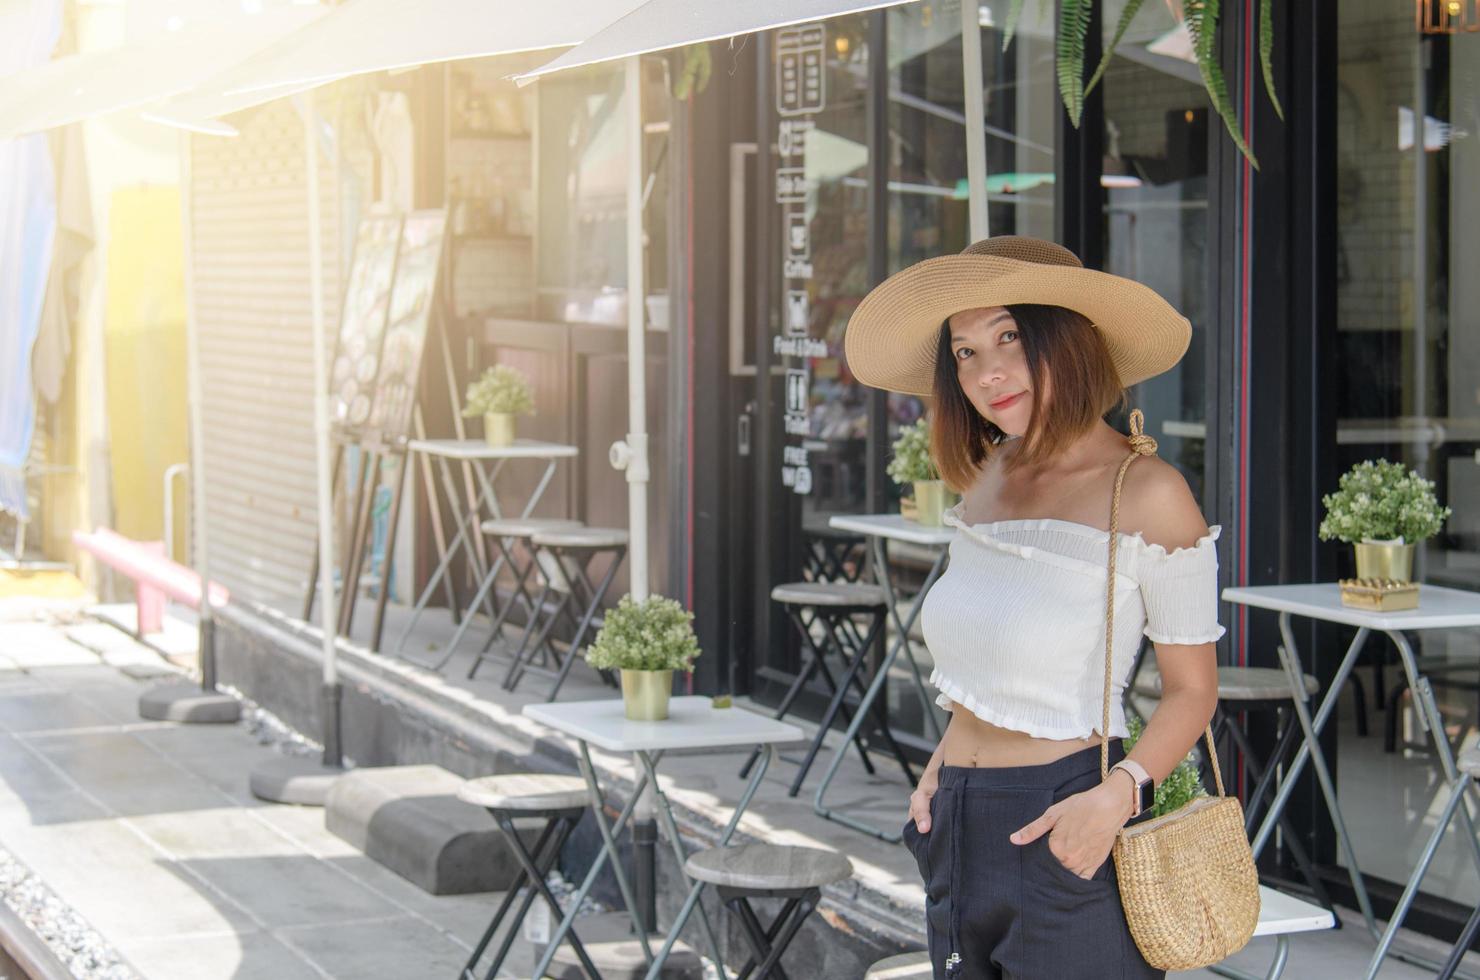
(1016, 625)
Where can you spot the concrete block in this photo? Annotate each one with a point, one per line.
(188, 703)
(302, 780)
(409, 819)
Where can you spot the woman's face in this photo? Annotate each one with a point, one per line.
(992, 368)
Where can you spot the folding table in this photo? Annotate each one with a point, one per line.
(1439, 608)
(880, 529)
(487, 462)
(693, 725)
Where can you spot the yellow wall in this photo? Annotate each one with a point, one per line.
(144, 326)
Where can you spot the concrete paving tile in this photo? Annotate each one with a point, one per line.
(116, 881)
(401, 947)
(305, 824)
(226, 832)
(41, 645)
(292, 890)
(220, 756)
(465, 916)
(44, 709)
(125, 774)
(25, 777)
(248, 956)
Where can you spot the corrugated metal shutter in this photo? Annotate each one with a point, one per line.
(251, 278)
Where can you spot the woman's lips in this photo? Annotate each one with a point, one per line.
(1007, 402)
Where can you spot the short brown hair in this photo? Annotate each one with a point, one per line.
(1059, 344)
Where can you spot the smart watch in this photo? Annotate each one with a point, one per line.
(1143, 797)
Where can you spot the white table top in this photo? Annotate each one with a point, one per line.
(479, 449)
(893, 526)
(692, 723)
(1280, 913)
(1438, 607)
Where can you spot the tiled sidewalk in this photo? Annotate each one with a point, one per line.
(148, 832)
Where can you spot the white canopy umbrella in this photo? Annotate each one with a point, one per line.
(364, 36)
(94, 83)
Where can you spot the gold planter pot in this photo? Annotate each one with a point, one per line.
(645, 693)
(1384, 560)
(498, 428)
(930, 502)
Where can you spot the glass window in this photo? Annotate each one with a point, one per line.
(1155, 180)
(1408, 361)
(582, 190)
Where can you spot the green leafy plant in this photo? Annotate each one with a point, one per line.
(1378, 500)
(1201, 17)
(1182, 785)
(500, 390)
(693, 77)
(911, 460)
(654, 634)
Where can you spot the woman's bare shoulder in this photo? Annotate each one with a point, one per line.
(1157, 502)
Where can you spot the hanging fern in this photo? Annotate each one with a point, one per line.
(1014, 14)
(1126, 16)
(1074, 17)
(1201, 18)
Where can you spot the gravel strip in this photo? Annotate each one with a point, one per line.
(85, 952)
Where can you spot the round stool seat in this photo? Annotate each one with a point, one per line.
(581, 537)
(523, 527)
(1237, 684)
(828, 594)
(905, 966)
(526, 791)
(1469, 762)
(768, 867)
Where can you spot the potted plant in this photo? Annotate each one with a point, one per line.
(499, 394)
(647, 641)
(912, 464)
(1182, 785)
(1383, 509)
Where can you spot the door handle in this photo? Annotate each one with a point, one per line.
(742, 434)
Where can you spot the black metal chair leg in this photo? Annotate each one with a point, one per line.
(827, 718)
(1264, 773)
(1359, 696)
(809, 667)
(771, 933)
(595, 595)
(1461, 946)
(526, 862)
(545, 857)
(761, 947)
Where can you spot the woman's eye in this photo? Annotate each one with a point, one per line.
(1008, 336)
(962, 353)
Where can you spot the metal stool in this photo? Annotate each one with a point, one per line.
(1257, 689)
(504, 532)
(797, 874)
(565, 559)
(905, 966)
(562, 800)
(833, 605)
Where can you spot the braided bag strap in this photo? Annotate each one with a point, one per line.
(1141, 445)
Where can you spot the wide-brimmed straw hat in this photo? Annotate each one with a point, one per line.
(893, 334)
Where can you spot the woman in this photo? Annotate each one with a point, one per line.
(1022, 352)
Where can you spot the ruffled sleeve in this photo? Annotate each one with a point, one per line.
(1180, 592)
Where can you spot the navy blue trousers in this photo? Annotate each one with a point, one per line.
(996, 910)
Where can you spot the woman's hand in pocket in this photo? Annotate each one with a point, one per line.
(920, 802)
(1082, 828)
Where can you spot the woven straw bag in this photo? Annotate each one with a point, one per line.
(1187, 879)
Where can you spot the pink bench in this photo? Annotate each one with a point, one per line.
(156, 578)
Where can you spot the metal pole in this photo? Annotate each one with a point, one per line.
(196, 393)
(322, 448)
(634, 457)
(976, 130)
